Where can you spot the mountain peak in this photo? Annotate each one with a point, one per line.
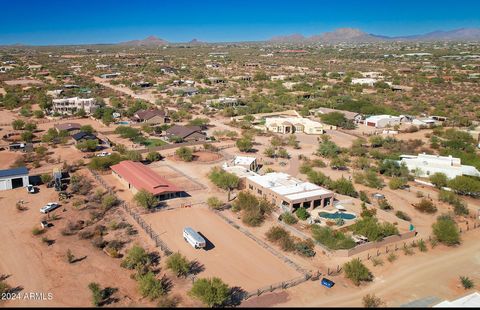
(148, 41)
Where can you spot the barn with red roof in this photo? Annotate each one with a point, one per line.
(136, 176)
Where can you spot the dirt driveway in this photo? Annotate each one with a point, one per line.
(234, 257)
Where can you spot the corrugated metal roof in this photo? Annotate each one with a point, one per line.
(13, 172)
(142, 177)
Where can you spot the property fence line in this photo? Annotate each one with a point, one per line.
(138, 219)
(263, 244)
(282, 285)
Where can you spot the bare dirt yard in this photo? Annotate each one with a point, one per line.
(434, 273)
(201, 157)
(230, 255)
(35, 266)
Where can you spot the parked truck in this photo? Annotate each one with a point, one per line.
(193, 238)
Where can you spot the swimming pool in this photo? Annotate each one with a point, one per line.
(123, 123)
(337, 215)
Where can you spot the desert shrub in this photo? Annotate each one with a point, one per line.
(372, 229)
(98, 242)
(467, 283)
(439, 179)
(408, 250)
(397, 182)
(402, 215)
(392, 257)
(179, 264)
(344, 187)
(109, 201)
(422, 246)
(168, 302)
(86, 234)
(302, 213)
(214, 203)
(184, 153)
(451, 198)
(70, 257)
(377, 261)
(425, 206)
(356, 271)
(446, 230)
(372, 301)
(212, 292)
(37, 231)
(254, 211)
(332, 239)
(364, 197)
(97, 295)
(305, 248)
(384, 205)
(288, 218)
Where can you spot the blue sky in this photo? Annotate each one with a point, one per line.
(107, 21)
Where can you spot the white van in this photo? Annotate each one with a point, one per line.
(193, 238)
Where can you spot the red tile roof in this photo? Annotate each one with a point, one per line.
(142, 177)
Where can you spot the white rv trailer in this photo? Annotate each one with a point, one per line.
(194, 238)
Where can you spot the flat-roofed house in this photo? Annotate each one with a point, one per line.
(288, 192)
(287, 125)
(136, 176)
(70, 106)
(382, 121)
(425, 165)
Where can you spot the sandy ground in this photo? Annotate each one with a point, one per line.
(231, 256)
(36, 267)
(8, 158)
(435, 273)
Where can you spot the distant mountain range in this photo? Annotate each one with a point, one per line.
(353, 35)
(155, 41)
(148, 41)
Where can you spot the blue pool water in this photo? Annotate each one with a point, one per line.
(337, 215)
(123, 123)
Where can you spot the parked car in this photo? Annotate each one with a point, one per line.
(327, 283)
(103, 154)
(49, 207)
(30, 189)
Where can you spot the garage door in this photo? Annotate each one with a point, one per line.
(3, 185)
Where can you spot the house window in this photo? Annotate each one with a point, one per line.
(250, 187)
(259, 191)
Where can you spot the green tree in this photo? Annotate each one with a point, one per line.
(184, 153)
(179, 264)
(149, 286)
(136, 258)
(446, 230)
(244, 144)
(145, 199)
(212, 292)
(465, 185)
(439, 179)
(225, 180)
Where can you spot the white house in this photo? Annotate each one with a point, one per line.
(67, 106)
(425, 165)
(13, 178)
(295, 124)
(364, 81)
(382, 121)
(247, 162)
